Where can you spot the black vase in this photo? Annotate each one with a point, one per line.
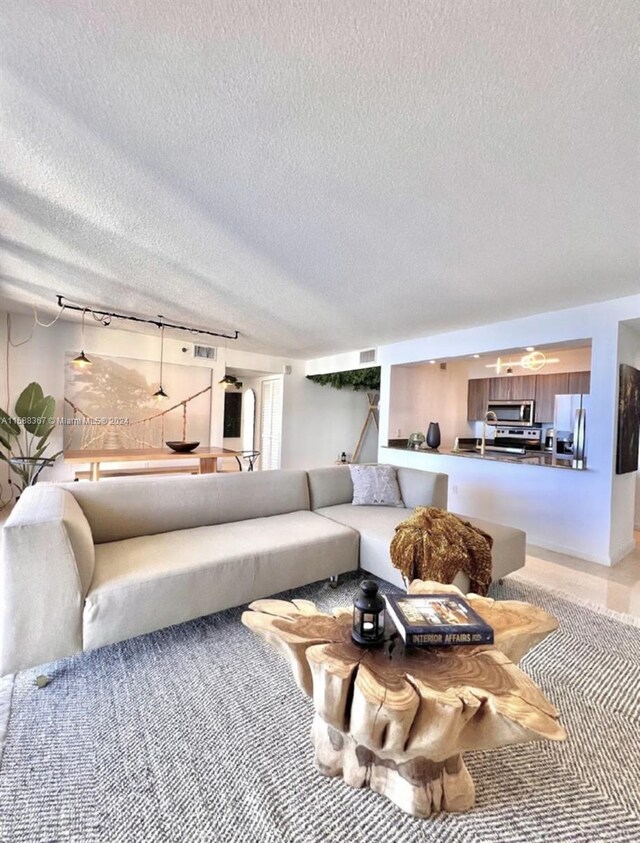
(433, 436)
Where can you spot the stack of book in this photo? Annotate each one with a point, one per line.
(437, 620)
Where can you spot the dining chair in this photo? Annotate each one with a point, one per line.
(250, 457)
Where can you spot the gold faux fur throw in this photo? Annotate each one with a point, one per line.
(433, 544)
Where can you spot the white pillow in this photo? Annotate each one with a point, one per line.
(375, 485)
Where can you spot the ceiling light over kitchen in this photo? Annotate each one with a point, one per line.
(534, 361)
(432, 362)
(530, 348)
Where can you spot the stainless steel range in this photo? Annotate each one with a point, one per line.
(515, 440)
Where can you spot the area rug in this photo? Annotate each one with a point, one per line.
(198, 733)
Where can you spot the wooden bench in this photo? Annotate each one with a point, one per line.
(130, 472)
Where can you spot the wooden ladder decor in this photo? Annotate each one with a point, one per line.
(372, 415)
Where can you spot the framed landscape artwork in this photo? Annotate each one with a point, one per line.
(628, 420)
(111, 404)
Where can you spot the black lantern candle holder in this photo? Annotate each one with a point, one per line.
(368, 615)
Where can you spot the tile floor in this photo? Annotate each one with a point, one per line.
(617, 588)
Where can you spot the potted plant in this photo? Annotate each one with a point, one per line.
(24, 436)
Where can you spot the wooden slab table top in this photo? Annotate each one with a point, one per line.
(207, 457)
(399, 723)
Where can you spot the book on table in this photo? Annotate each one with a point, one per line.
(436, 620)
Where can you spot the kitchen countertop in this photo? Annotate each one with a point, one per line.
(544, 458)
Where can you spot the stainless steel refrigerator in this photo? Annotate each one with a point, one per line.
(570, 425)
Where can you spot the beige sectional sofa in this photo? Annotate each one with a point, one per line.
(89, 564)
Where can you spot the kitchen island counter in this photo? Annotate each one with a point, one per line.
(543, 458)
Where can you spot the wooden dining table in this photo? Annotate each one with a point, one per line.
(207, 457)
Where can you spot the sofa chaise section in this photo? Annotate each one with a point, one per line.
(331, 491)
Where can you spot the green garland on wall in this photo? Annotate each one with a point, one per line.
(354, 379)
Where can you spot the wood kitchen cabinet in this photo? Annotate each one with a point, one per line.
(542, 388)
(477, 398)
(511, 387)
(507, 388)
(547, 387)
(579, 382)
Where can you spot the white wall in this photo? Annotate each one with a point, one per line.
(569, 511)
(320, 422)
(236, 358)
(337, 363)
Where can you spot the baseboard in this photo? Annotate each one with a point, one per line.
(571, 551)
(624, 551)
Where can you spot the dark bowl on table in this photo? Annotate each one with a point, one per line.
(182, 447)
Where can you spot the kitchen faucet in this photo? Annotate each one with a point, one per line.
(488, 416)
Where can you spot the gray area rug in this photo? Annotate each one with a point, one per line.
(198, 733)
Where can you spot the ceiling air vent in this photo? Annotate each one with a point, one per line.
(206, 352)
(368, 356)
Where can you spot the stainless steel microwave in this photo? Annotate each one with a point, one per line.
(519, 413)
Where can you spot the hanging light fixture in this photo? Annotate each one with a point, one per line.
(81, 361)
(160, 394)
(534, 362)
(230, 380)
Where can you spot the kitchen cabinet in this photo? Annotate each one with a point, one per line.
(511, 387)
(547, 387)
(542, 388)
(579, 382)
(477, 398)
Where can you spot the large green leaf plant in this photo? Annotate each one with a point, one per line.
(355, 378)
(24, 436)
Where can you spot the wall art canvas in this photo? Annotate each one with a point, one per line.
(111, 404)
(628, 420)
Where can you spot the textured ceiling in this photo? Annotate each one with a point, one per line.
(322, 175)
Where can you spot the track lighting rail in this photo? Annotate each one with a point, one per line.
(105, 317)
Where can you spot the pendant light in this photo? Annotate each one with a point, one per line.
(160, 394)
(230, 380)
(81, 362)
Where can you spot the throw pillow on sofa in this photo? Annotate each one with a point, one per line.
(375, 485)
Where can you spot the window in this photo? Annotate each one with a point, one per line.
(249, 420)
(271, 423)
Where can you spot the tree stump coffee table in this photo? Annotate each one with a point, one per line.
(399, 723)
